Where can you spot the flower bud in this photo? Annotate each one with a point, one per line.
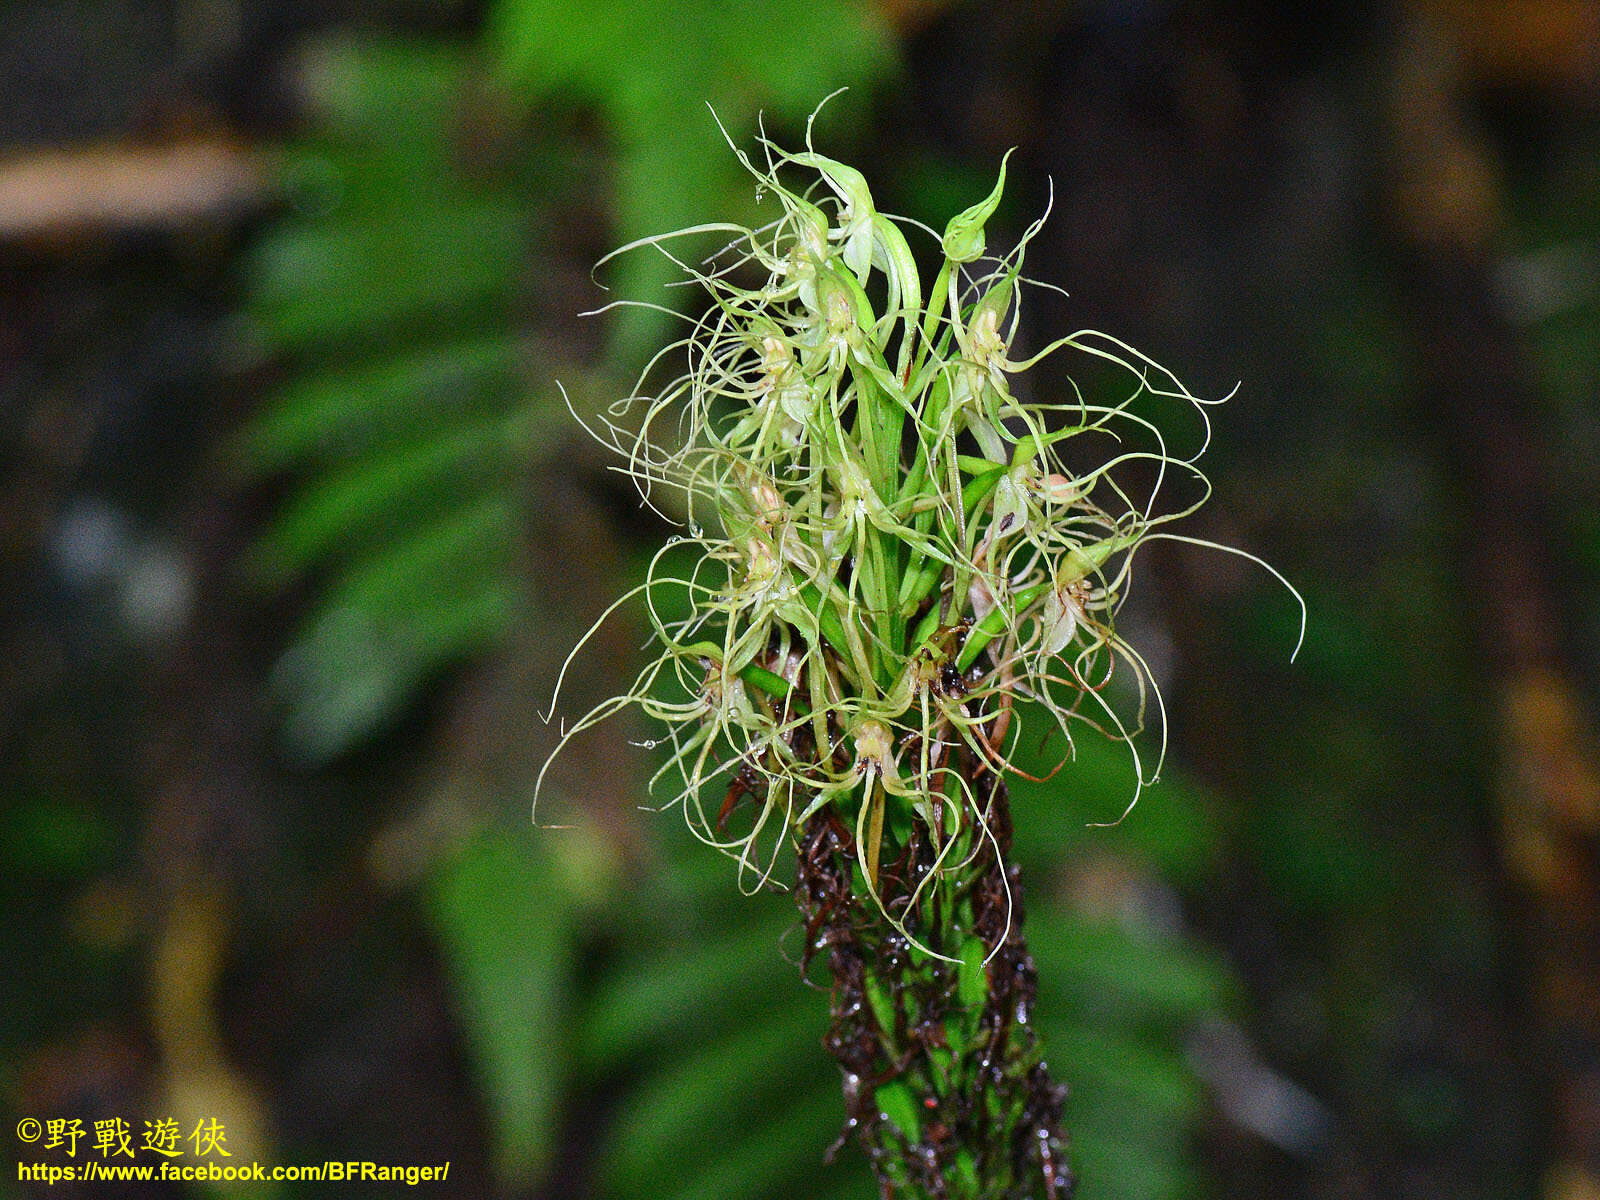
(781, 381)
(988, 344)
(1082, 561)
(1058, 489)
(963, 237)
(763, 564)
(767, 505)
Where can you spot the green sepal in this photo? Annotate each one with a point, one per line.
(768, 681)
(989, 628)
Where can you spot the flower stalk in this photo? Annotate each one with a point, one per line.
(944, 1082)
(889, 567)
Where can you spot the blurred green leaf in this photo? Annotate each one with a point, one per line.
(751, 1066)
(388, 621)
(385, 493)
(503, 922)
(714, 1040)
(1172, 829)
(777, 1153)
(652, 66)
(703, 984)
(1102, 967)
(420, 263)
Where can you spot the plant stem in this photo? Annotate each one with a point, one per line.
(943, 1081)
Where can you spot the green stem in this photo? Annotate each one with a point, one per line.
(986, 630)
(943, 1081)
(915, 585)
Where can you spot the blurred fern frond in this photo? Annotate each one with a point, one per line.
(388, 295)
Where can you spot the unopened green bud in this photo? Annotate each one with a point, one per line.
(1082, 561)
(963, 236)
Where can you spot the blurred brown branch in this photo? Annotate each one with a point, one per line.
(55, 192)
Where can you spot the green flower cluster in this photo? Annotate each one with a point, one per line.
(893, 549)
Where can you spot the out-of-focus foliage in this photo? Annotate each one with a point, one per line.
(652, 67)
(387, 297)
(596, 1010)
(511, 966)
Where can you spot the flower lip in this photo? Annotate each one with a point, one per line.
(873, 742)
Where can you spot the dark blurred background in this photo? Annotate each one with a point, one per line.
(295, 531)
